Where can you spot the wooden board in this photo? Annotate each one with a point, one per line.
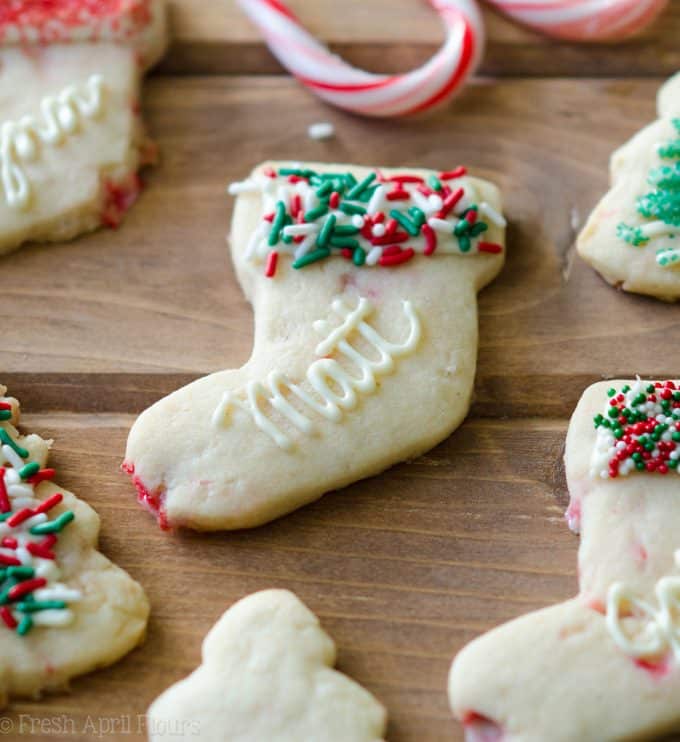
(404, 568)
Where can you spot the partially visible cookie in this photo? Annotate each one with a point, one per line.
(605, 665)
(267, 675)
(632, 237)
(64, 608)
(71, 143)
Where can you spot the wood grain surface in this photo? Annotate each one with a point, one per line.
(403, 569)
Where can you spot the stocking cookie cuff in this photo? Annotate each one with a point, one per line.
(140, 24)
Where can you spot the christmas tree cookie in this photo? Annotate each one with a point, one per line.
(633, 236)
(604, 665)
(267, 674)
(72, 141)
(364, 286)
(64, 608)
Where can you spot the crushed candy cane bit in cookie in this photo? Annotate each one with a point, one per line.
(30, 591)
(378, 221)
(639, 430)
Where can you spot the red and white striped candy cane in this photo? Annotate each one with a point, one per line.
(583, 20)
(363, 92)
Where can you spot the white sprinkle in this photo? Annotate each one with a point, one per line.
(321, 130)
(373, 256)
(10, 455)
(358, 221)
(441, 225)
(53, 617)
(244, 186)
(378, 230)
(494, 216)
(295, 230)
(377, 200)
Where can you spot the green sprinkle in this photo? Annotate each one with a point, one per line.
(25, 625)
(34, 606)
(54, 526)
(325, 189)
(313, 214)
(418, 215)
(29, 470)
(5, 415)
(345, 230)
(359, 257)
(7, 440)
(359, 188)
(350, 209)
(350, 180)
(464, 243)
(368, 193)
(310, 257)
(478, 228)
(277, 224)
(326, 231)
(301, 173)
(4, 516)
(624, 389)
(344, 242)
(23, 573)
(405, 222)
(462, 228)
(434, 183)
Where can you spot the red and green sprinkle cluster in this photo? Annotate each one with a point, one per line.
(640, 430)
(375, 221)
(27, 540)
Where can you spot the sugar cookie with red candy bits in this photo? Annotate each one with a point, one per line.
(267, 674)
(72, 141)
(64, 608)
(364, 286)
(604, 665)
(632, 238)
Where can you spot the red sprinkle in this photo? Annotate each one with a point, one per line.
(491, 247)
(19, 517)
(5, 406)
(346, 253)
(392, 250)
(405, 179)
(430, 239)
(27, 586)
(402, 257)
(334, 200)
(449, 202)
(295, 205)
(451, 174)
(48, 504)
(269, 217)
(9, 543)
(398, 195)
(272, 260)
(9, 561)
(41, 476)
(5, 506)
(7, 617)
(471, 216)
(389, 238)
(40, 551)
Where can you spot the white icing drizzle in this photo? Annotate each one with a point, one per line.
(324, 401)
(20, 142)
(660, 629)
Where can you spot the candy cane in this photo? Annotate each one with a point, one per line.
(583, 20)
(370, 94)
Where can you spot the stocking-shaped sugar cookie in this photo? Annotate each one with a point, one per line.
(633, 236)
(267, 674)
(64, 608)
(364, 289)
(606, 664)
(71, 136)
